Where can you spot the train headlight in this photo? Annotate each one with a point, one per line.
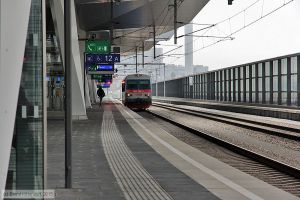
(147, 95)
(129, 94)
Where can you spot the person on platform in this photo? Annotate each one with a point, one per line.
(101, 94)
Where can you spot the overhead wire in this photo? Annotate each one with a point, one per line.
(238, 30)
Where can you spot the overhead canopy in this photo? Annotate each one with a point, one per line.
(133, 20)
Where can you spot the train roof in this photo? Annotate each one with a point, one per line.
(137, 76)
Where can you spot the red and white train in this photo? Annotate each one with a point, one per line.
(136, 91)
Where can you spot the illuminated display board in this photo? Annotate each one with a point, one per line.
(100, 67)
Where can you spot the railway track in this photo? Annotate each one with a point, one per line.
(271, 129)
(275, 164)
(234, 159)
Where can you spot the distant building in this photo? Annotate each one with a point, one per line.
(197, 69)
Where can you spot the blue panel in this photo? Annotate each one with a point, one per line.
(101, 58)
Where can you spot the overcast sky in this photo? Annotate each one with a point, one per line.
(275, 35)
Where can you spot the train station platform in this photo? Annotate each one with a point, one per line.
(117, 154)
(275, 111)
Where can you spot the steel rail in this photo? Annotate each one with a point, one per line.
(282, 167)
(241, 122)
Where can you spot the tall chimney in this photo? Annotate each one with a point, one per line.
(188, 47)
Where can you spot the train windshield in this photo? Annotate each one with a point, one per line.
(138, 85)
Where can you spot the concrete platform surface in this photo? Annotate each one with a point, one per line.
(119, 155)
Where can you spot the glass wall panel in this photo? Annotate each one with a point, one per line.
(267, 68)
(259, 97)
(284, 66)
(242, 85)
(275, 83)
(260, 70)
(260, 84)
(268, 97)
(253, 71)
(275, 97)
(294, 97)
(275, 67)
(227, 86)
(247, 85)
(253, 84)
(267, 84)
(223, 86)
(294, 83)
(294, 65)
(247, 71)
(27, 153)
(284, 98)
(284, 83)
(241, 72)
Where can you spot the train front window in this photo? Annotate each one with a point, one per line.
(138, 85)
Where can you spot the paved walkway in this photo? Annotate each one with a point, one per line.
(92, 177)
(117, 155)
(111, 162)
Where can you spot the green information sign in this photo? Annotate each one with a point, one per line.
(97, 46)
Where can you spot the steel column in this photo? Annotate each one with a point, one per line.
(225, 85)
(279, 83)
(271, 82)
(250, 83)
(221, 86)
(175, 21)
(229, 85)
(68, 92)
(263, 82)
(289, 89)
(239, 84)
(136, 60)
(256, 84)
(233, 85)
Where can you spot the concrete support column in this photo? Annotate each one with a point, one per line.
(78, 105)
